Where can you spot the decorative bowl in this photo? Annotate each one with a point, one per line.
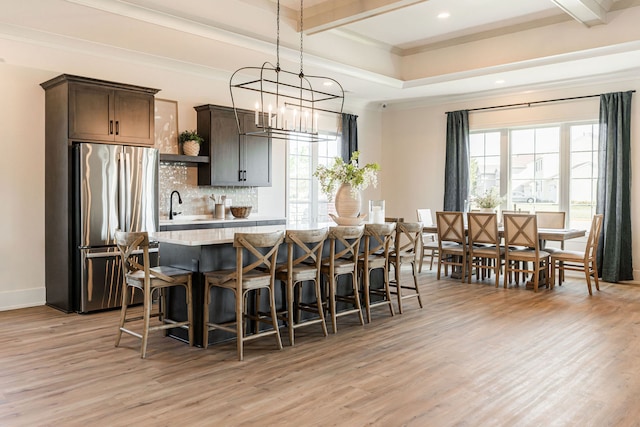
(240, 211)
(345, 220)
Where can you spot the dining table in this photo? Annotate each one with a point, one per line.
(544, 235)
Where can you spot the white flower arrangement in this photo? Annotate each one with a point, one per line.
(489, 200)
(346, 173)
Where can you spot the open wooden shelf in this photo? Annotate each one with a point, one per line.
(182, 158)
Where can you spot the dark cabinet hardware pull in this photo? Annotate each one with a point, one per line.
(110, 127)
(117, 127)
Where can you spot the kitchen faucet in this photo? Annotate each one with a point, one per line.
(171, 212)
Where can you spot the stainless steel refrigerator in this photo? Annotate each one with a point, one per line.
(115, 188)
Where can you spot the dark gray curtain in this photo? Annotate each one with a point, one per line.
(456, 169)
(349, 136)
(614, 181)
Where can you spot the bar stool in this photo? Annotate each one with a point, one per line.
(148, 280)
(301, 269)
(377, 245)
(406, 248)
(261, 251)
(344, 246)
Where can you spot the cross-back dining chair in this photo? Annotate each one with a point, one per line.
(344, 247)
(523, 248)
(256, 255)
(485, 252)
(406, 247)
(375, 256)
(149, 280)
(452, 242)
(580, 261)
(304, 259)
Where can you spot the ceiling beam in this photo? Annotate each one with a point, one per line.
(588, 12)
(336, 13)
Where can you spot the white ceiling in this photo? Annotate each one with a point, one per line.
(380, 50)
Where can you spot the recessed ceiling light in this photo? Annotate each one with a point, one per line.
(444, 15)
(499, 82)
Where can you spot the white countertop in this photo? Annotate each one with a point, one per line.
(208, 219)
(219, 236)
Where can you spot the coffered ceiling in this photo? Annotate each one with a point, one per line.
(380, 50)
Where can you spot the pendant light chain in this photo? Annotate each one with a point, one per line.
(278, 37)
(301, 33)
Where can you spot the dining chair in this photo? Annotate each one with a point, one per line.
(304, 259)
(580, 261)
(485, 252)
(523, 248)
(344, 247)
(256, 255)
(507, 211)
(554, 220)
(452, 242)
(149, 280)
(406, 247)
(429, 240)
(375, 256)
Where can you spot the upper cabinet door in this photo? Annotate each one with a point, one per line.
(234, 159)
(105, 114)
(256, 155)
(133, 117)
(91, 113)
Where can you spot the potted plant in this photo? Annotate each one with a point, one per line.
(190, 141)
(489, 200)
(349, 179)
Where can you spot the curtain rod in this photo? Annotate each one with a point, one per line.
(529, 104)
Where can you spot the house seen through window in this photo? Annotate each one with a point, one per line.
(542, 168)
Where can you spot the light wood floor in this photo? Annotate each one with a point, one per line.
(474, 356)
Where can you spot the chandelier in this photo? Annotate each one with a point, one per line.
(287, 104)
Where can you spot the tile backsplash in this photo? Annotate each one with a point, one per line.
(195, 199)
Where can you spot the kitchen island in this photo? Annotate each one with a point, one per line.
(205, 250)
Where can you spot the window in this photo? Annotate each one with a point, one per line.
(548, 167)
(584, 174)
(484, 153)
(306, 203)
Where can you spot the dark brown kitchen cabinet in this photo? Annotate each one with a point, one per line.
(234, 160)
(110, 112)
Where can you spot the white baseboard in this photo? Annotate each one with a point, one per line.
(21, 298)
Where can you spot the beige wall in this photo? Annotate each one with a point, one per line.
(21, 187)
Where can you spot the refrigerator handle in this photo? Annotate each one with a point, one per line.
(121, 193)
(126, 205)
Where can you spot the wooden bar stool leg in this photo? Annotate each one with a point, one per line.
(367, 297)
(190, 310)
(274, 317)
(290, 301)
(332, 304)
(356, 296)
(399, 288)
(320, 308)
